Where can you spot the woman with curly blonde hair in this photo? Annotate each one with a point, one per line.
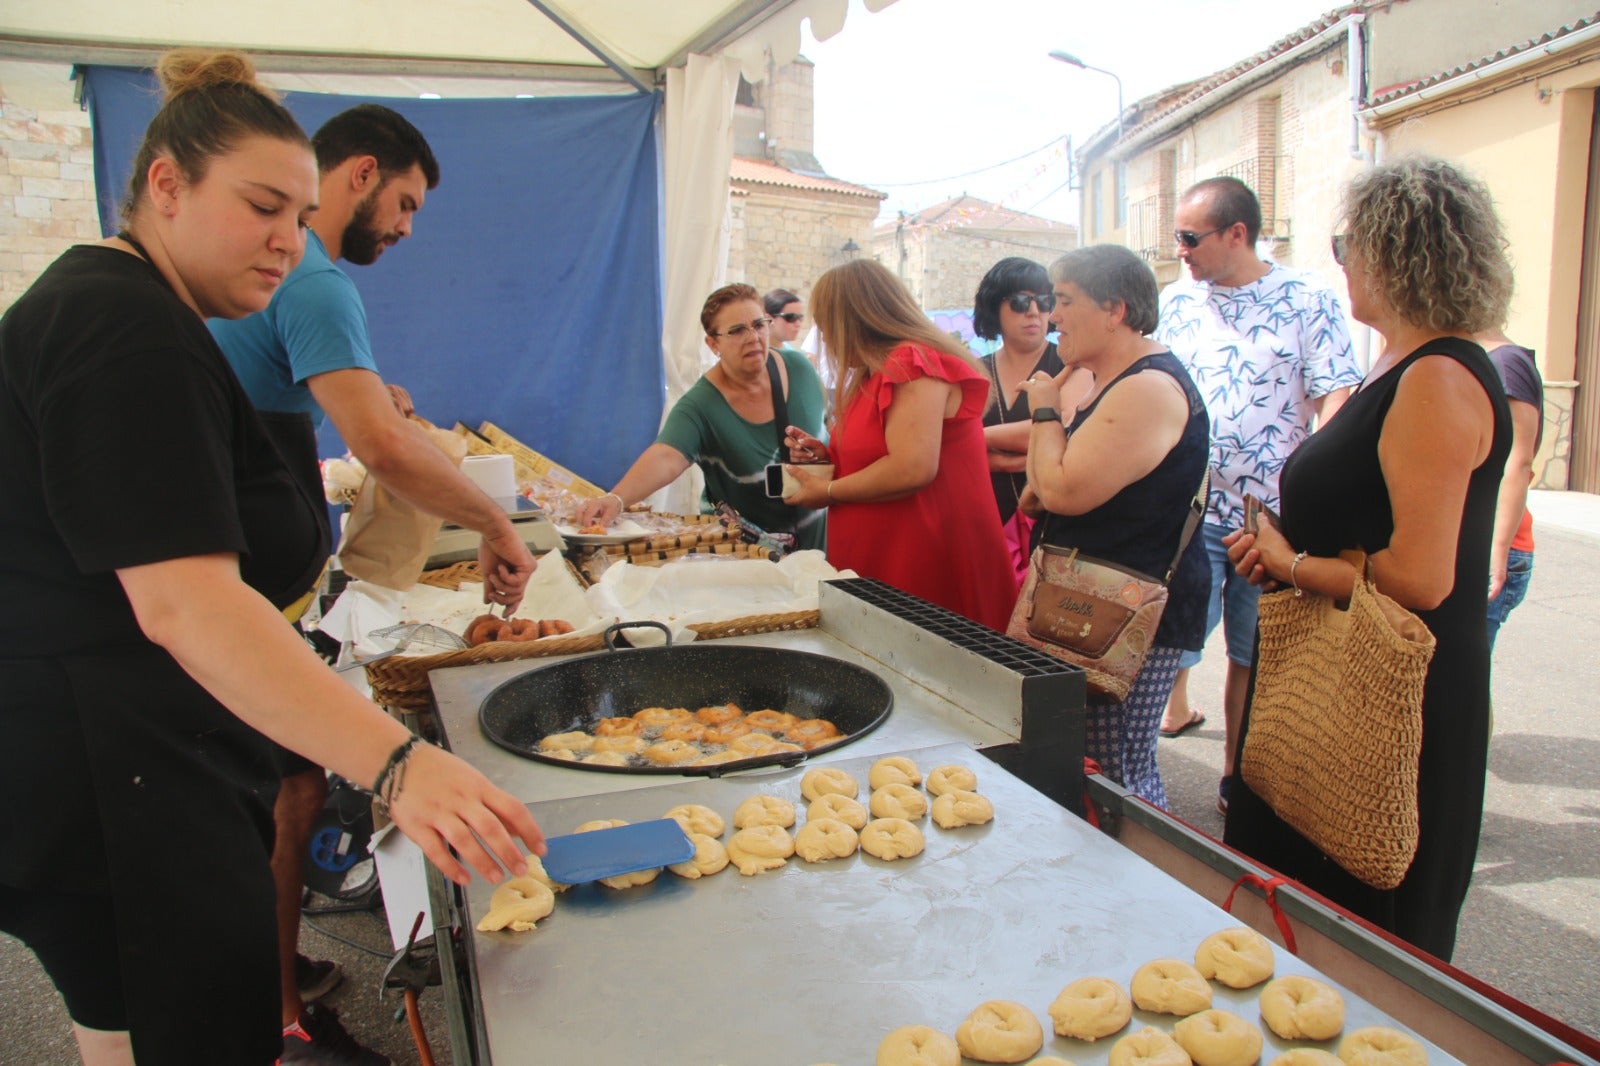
(1408, 472)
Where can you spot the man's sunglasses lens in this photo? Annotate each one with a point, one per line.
(1188, 238)
(1019, 302)
(791, 317)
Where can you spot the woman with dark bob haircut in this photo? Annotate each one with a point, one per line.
(1118, 479)
(1013, 305)
(148, 654)
(1408, 472)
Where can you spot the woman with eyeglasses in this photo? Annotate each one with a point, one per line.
(1117, 473)
(1013, 304)
(152, 544)
(1409, 473)
(728, 423)
(909, 498)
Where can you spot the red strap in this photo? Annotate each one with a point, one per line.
(1089, 813)
(1270, 889)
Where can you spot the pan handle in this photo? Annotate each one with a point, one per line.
(612, 631)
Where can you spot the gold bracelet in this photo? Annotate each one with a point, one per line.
(1298, 559)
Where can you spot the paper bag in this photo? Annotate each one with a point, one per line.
(387, 540)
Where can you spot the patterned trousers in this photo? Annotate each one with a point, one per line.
(1121, 737)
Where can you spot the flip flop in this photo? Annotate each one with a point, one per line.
(1196, 718)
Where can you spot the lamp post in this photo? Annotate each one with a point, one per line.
(1073, 61)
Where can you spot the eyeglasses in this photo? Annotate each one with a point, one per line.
(1341, 246)
(792, 317)
(741, 330)
(1020, 301)
(1191, 240)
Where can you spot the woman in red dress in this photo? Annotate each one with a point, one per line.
(910, 501)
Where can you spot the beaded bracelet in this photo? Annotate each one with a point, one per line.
(1298, 559)
(387, 787)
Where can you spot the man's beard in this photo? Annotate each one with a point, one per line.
(361, 243)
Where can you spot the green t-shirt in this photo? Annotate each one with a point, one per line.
(733, 454)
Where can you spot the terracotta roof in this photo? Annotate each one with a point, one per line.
(1395, 92)
(971, 212)
(760, 172)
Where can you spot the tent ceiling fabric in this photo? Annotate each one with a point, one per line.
(643, 36)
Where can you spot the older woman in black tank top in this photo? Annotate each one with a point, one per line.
(1408, 472)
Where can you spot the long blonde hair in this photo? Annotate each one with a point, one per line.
(864, 313)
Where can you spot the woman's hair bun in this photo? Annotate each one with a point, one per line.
(188, 69)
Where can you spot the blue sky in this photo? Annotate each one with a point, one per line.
(930, 89)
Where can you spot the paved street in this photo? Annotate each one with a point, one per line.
(1532, 921)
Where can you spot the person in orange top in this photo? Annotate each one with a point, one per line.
(910, 501)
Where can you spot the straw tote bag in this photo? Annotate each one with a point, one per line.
(1336, 724)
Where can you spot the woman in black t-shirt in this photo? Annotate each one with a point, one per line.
(150, 539)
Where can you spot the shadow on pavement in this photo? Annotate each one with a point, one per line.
(1556, 761)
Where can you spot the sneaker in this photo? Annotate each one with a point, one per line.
(318, 1039)
(316, 979)
(1224, 787)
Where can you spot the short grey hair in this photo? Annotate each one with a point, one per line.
(1111, 274)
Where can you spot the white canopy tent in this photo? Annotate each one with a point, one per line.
(694, 50)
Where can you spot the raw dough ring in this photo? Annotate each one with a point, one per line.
(893, 770)
(897, 801)
(917, 1045)
(575, 741)
(697, 819)
(828, 782)
(1170, 986)
(763, 810)
(1218, 1038)
(1000, 1031)
(822, 839)
(949, 778)
(959, 807)
(1148, 1047)
(518, 905)
(1090, 1008)
(1307, 1056)
(1379, 1045)
(1302, 1008)
(709, 857)
(761, 847)
(638, 877)
(847, 810)
(891, 838)
(1239, 957)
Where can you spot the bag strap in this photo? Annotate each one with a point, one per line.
(1197, 510)
(780, 409)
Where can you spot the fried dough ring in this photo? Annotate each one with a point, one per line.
(812, 732)
(606, 758)
(1378, 1045)
(770, 720)
(821, 839)
(697, 819)
(671, 752)
(1000, 1031)
(917, 1045)
(1218, 1038)
(826, 781)
(718, 757)
(897, 801)
(709, 857)
(761, 847)
(477, 631)
(719, 715)
(518, 905)
(689, 731)
(891, 838)
(574, 741)
(1302, 1008)
(752, 744)
(845, 809)
(893, 770)
(763, 810)
(944, 779)
(1238, 957)
(1148, 1047)
(1170, 986)
(958, 808)
(727, 732)
(1090, 1008)
(618, 727)
(624, 745)
(660, 717)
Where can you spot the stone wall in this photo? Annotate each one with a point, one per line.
(785, 238)
(47, 199)
(942, 267)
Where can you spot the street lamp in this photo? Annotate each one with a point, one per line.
(1073, 61)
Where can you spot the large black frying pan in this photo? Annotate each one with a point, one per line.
(577, 693)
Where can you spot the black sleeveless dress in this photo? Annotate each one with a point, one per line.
(1335, 498)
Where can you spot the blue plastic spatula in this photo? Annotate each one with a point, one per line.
(581, 857)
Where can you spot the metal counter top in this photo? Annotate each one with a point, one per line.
(816, 962)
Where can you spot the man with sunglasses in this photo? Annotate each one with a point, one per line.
(1269, 349)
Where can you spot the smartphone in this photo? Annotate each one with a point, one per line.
(780, 483)
(1253, 510)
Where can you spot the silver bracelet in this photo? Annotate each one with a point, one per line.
(620, 505)
(1298, 559)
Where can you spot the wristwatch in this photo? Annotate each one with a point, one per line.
(1046, 414)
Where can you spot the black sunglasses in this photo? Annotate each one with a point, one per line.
(1191, 240)
(792, 317)
(1019, 301)
(1341, 245)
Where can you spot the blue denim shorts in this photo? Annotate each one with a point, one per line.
(1233, 603)
(1519, 570)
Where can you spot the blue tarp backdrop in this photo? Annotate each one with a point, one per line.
(529, 294)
